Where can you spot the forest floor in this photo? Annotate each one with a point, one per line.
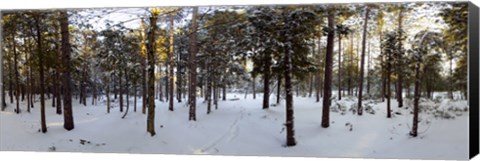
(241, 127)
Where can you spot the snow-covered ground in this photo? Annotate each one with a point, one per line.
(241, 127)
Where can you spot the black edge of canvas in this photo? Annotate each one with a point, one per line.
(473, 60)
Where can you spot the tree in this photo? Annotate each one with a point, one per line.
(342, 30)
(193, 68)
(171, 61)
(425, 43)
(41, 71)
(455, 15)
(360, 85)
(151, 71)
(399, 63)
(389, 47)
(66, 68)
(328, 68)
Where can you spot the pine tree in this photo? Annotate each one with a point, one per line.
(328, 69)
(193, 68)
(151, 72)
(41, 72)
(360, 110)
(66, 68)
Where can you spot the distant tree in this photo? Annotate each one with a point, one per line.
(342, 30)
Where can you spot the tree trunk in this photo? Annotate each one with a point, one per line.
(66, 66)
(328, 70)
(144, 86)
(266, 81)
(115, 90)
(42, 75)
(167, 82)
(31, 98)
(193, 67)
(126, 91)
(399, 66)
(416, 99)
(224, 90)
(289, 98)
(151, 74)
(171, 58)
(310, 86)
(2, 84)
(10, 81)
(279, 88)
(320, 78)
(94, 92)
(4, 104)
(208, 93)
(384, 77)
(360, 85)
(108, 96)
(254, 84)
(127, 100)
(120, 89)
(368, 69)
(387, 85)
(339, 66)
(159, 92)
(17, 81)
(135, 98)
(215, 94)
(350, 91)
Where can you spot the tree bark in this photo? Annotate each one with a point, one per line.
(266, 80)
(208, 93)
(328, 70)
(289, 98)
(368, 69)
(389, 93)
(310, 88)
(399, 66)
(135, 98)
(66, 68)
(362, 63)
(10, 80)
(41, 72)
(384, 77)
(279, 88)
(193, 67)
(107, 86)
(126, 91)
(15, 62)
(27, 65)
(318, 77)
(171, 58)
(350, 91)
(151, 74)
(416, 99)
(339, 66)
(120, 89)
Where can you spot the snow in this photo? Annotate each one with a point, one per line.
(241, 127)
